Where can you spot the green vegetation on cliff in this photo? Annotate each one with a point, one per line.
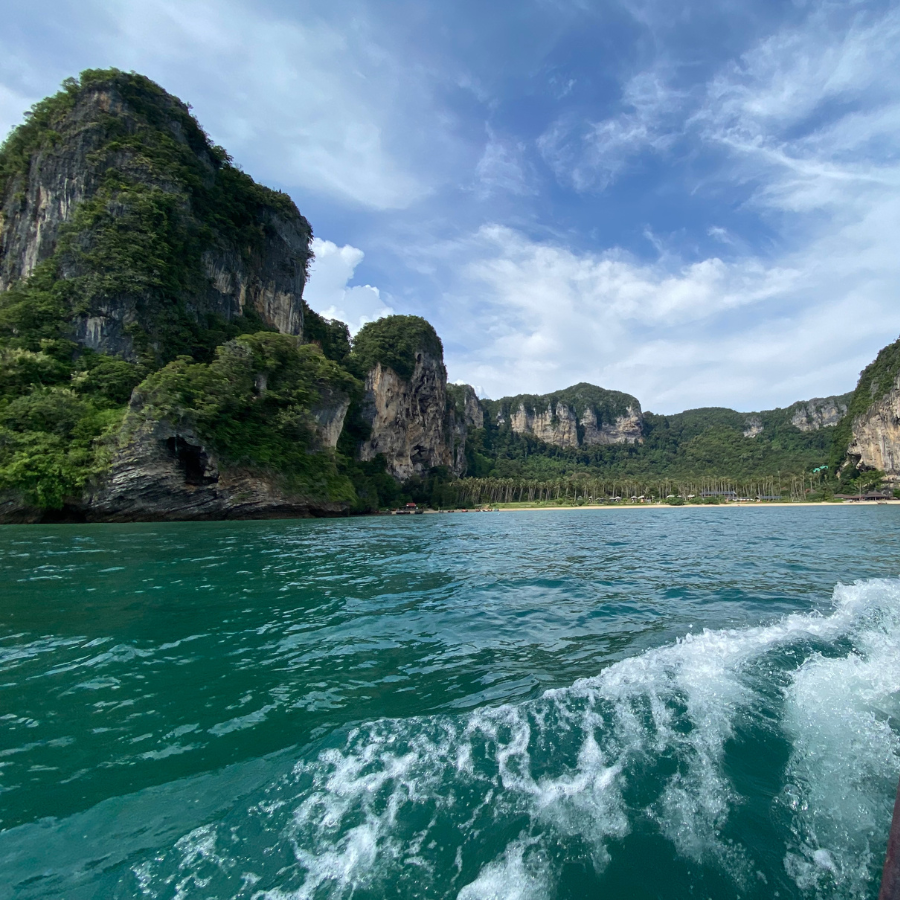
(875, 381)
(158, 195)
(164, 195)
(693, 444)
(254, 405)
(394, 342)
(608, 405)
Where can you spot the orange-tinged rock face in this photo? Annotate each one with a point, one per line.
(875, 441)
(408, 418)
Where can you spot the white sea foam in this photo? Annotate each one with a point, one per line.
(514, 876)
(485, 805)
(839, 714)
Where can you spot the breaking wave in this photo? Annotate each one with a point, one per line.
(692, 751)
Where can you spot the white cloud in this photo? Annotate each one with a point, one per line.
(502, 167)
(329, 291)
(301, 100)
(322, 102)
(592, 154)
(810, 116)
(536, 316)
(807, 121)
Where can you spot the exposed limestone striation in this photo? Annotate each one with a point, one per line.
(579, 416)
(556, 425)
(753, 426)
(329, 415)
(820, 412)
(875, 436)
(125, 154)
(408, 418)
(464, 415)
(624, 429)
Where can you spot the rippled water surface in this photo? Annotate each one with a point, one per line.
(613, 703)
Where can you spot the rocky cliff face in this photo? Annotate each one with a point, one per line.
(408, 418)
(820, 412)
(557, 425)
(579, 416)
(464, 415)
(164, 471)
(117, 158)
(624, 429)
(753, 426)
(875, 436)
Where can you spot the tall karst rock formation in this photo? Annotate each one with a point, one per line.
(870, 431)
(411, 418)
(113, 196)
(155, 349)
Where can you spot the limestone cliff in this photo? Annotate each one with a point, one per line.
(406, 408)
(820, 412)
(465, 414)
(870, 432)
(875, 439)
(407, 418)
(164, 471)
(623, 429)
(113, 191)
(582, 415)
(753, 426)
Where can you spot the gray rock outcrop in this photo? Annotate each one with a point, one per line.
(875, 436)
(162, 470)
(408, 418)
(557, 425)
(753, 426)
(820, 412)
(624, 429)
(580, 416)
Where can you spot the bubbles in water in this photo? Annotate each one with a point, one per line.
(495, 803)
(845, 761)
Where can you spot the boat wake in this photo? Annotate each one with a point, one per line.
(765, 757)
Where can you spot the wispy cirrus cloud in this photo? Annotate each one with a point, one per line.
(503, 167)
(810, 116)
(590, 154)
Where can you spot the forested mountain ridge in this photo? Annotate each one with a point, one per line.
(158, 361)
(701, 442)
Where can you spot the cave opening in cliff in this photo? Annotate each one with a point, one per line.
(191, 459)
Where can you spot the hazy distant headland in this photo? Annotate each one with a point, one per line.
(158, 360)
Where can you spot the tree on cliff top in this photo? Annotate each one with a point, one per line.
(394, 342)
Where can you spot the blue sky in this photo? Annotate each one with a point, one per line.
(696, 203)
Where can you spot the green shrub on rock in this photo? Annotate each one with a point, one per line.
(255, 404)
(394, 342)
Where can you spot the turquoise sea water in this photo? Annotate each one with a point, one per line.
(616, 704)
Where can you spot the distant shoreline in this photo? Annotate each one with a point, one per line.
(733, 505)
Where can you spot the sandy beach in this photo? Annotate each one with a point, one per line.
(751, 505)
